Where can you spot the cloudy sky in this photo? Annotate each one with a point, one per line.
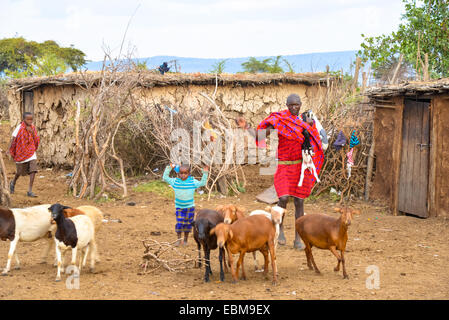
(201, 28)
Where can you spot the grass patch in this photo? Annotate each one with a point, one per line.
(324, 196)
(159, 187)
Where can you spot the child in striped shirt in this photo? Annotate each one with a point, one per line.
(184, 186)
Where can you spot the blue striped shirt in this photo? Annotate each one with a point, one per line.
(184, 190)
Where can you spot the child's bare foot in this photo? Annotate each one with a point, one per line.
(178, 242)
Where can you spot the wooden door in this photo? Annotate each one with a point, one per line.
(414, 170)
(28, 104)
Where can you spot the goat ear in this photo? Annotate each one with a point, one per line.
(219, 208)
(212, 231)
(231, 235)
(66, 207)
(338, 210)
(193, 223)
(241, 209)
(268, 209)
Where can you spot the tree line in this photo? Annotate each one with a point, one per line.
(418, 49)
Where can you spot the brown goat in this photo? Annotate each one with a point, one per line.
(248, 234)
(325, 232)
(231, 212)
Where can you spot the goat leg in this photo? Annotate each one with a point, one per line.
(240, 262)
(265, 258)
(256, 264)
(199, 254)
(12, 249)
(50, 242)
(333, 249)
(273, 260)
(220, 258)
(303, 169)
(231, 263)
(206, 263)
(313, 261)
(59, 262)
(308, 252)
(17, 261)
(345, 275)
(224, 261)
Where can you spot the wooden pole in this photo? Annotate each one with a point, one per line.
(358, 61)
(364, 78)
(369, 171)
(396, 71)
(426, 67)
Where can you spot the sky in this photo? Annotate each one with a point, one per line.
(200, 28)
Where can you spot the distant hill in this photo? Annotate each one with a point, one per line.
(310, 62)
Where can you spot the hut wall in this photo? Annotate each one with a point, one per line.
(439, 195)
(54, 108)
(388, 140)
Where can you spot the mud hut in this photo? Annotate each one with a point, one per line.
(411, 132)
(53, 99)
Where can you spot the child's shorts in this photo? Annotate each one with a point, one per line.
(26, 168)
(184, 219)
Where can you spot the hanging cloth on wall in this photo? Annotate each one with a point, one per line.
(354, 140)
(340, 141)
(350, 161)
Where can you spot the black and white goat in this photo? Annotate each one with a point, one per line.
(77, 232)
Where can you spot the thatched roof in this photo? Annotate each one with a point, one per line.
(152, 79)
(412, 88)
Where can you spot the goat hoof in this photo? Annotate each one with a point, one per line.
(4, 274)
(17, 268)
(57, 279)
(346, 277)
(274, 282)
(92, 270)
(206, 280)
(336, 270)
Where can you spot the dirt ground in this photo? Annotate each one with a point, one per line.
(411, 254)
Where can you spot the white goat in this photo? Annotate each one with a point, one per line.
(307, 163)
(26, 225)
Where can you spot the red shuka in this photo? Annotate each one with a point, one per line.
(290, 137)
(24, 144)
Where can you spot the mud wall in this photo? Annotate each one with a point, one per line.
(440, 143)
(54, 108)
(387, 135)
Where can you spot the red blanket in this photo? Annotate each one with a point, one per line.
(290, 129)
(25, 143)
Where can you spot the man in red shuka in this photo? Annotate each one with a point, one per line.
(24, 143)
(293, 133)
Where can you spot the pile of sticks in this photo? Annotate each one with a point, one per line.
(164, 255)
(5, 197)
(97, 122)
(343, 110)
(156, 124)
